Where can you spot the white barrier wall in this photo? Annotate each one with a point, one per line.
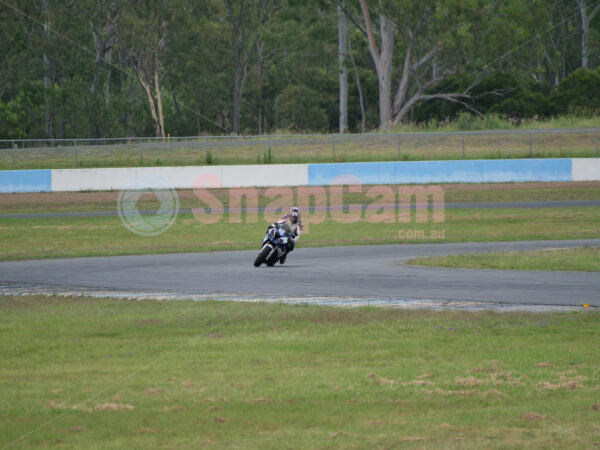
(585, 169)
(177, 177)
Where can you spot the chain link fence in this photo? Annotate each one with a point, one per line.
(285, 149)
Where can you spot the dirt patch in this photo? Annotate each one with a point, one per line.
(219, 419)
(444, 392)
(70, 198)
(492, 392)
(74, 429)
(532, 416)
(148, 431)
(57, 405)
(154, 391)
(414, 438)
(113, 407)
(418, 383)
(174, 408)
(445, 426)
(518, 186)
(570, 385)
(342, 433)
(379, 380)
(58, 197)
(542, 364)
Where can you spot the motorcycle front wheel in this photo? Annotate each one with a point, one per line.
(260, 258)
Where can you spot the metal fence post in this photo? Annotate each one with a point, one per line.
(530, 144)
(333, 147)
(596, 144)
(142, 155)
(399, 148)
(463, 146)
(14, 150)
(76, 152)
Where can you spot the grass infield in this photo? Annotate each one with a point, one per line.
(106, 235)
(50, 237)
(585, 259)
(152, 374)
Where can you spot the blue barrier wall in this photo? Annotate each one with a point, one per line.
(470, 171)
(26, 180)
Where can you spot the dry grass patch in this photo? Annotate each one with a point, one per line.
(468, 381)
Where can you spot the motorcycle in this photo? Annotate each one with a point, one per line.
(274, 246)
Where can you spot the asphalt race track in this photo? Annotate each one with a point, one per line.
(334, 273)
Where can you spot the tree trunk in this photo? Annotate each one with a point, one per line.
(586, 18)
(343, 70)
(159, 105)
(49, 120)
(384, 71)
(237, 85)
(261, 82)
(383, 62)
(158, 131)
(363, 115)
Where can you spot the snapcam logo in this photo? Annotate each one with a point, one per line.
(148, 211)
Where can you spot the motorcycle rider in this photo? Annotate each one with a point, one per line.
(292, 225)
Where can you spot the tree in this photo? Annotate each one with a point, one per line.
(382, 55)
(342, 51)
(298, 109)
(104, 25)
(144, 37)
(587, 12)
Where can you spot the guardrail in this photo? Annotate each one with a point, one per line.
(310, 148)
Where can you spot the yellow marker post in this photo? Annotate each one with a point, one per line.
(586, 305)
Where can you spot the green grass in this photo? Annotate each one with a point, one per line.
(190, 374)
(324, 149)
(95, 236)
(585, 259)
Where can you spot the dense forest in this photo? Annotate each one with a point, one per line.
(102, 68)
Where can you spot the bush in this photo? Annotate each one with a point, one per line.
(10, 121)
(470, 122)
(297, 108)
(579, 93)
